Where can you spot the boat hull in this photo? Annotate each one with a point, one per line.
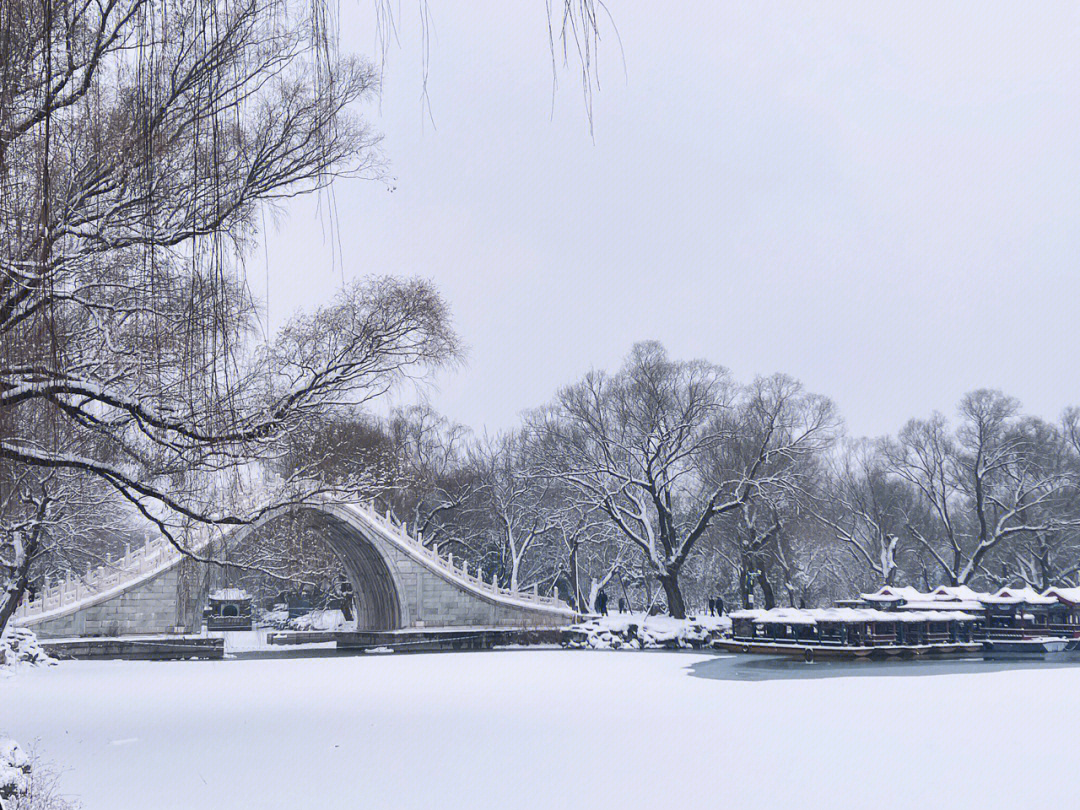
(1025, 646)
(810, 652)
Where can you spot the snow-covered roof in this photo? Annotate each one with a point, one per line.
(230, 595)
(942, 604)
(961, 597)
(1070, 595)
(780, 615)
(1016, 596)
(893, 593)
(848, 615)
(906, 593)
(960, 593)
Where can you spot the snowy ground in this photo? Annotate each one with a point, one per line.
(241, 641)
(543, 729)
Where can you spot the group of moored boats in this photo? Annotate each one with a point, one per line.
(903, 621)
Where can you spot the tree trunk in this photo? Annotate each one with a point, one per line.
(676, 605)
(18, 580)
(767, 591)
(514, 561)
(744, 588)
(575, 579)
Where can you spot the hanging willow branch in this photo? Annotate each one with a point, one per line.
(138, 141)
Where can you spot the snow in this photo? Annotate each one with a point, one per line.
(243, 641)
(539, 729)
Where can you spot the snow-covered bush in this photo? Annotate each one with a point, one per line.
(14, 770)
(637, 632)
(25, 784)
(20, 646)
(275, 619)
(318, 620)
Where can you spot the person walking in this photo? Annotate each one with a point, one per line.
(622, 604)
(719, 604)
(712, 607)
(601, 603)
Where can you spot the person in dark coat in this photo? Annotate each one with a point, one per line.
(622, 604)
(712, 607)
(719, 603)
(601, 603)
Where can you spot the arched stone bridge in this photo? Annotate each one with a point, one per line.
(398, 583)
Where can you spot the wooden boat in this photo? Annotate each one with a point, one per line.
(1022, 646)
(812, 651)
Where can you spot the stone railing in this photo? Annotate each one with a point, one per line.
(112, 574)
(158, 553)
(400, 530)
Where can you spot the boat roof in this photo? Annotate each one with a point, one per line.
(961, 597)
(1018, 596)
(942, 604)
(845, 615)
(1069, 595)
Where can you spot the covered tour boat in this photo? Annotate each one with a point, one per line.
(903, 620)
(852, 632)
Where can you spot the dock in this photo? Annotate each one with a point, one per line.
(150, 648)
(424, 639)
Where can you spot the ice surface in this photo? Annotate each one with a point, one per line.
(535, 729)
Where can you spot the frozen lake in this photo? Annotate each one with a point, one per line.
(548, 729)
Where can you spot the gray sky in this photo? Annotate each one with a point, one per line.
(884, 203)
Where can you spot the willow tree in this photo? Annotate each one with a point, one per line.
(139, 141)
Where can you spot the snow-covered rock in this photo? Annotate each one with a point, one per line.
(20, 646)
(636, 631)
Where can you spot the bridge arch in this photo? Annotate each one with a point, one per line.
(370, 569)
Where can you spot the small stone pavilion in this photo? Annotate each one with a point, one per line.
(228, 609)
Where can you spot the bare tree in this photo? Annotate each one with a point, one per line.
(664, 447)
(868, 510)
(435, 481)
(516, 505)
(985, 486)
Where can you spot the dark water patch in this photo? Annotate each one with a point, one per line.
(751, 667)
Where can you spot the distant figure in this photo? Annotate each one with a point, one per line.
(601, 603)
(712, 607)
(622, 604)
(719, 603)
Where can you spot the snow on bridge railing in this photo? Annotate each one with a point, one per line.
(400, 529)
(110, 574)
(158, 551)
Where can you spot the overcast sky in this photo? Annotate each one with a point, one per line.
(882, 203)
